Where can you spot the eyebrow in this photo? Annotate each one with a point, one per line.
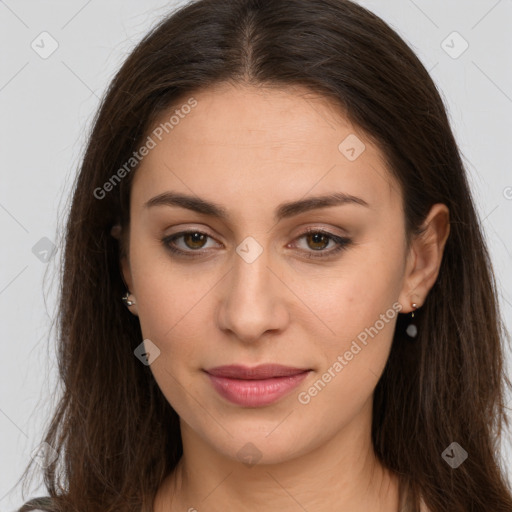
(283, 211)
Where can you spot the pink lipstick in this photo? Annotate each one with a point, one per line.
(256, 386)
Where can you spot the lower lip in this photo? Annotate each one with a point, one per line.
(256, 393)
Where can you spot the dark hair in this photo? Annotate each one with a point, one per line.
(117, 435)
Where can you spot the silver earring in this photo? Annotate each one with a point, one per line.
(412, 330)
(127, 301)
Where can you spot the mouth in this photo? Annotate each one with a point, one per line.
(257, 386)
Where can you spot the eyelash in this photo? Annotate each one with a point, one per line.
(341, 243)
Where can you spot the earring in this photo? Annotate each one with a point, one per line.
(412, 330)
(127, 301)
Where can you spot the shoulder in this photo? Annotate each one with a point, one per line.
(44, 504)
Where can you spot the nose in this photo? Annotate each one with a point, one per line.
(253, 300)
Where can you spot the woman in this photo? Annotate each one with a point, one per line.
(309, 316)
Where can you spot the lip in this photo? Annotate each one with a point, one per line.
(257, 386)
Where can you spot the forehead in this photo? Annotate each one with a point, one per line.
(280, 144)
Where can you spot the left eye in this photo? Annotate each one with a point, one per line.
(319, 240)
(316, 240)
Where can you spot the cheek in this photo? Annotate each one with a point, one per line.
(362, 313)
(353, 296)
(171, 308)
(360, 307)
(167, 294)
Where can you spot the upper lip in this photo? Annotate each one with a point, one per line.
(263, 371)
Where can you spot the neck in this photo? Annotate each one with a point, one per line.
(342, 474)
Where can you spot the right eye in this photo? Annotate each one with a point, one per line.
(194, 241)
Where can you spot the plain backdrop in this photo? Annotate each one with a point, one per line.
(47, 103)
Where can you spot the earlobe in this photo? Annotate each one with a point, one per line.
(129, 302)
(128, 298)
(116, 231)
(425, 257)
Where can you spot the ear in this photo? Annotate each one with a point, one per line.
(424, 258)
(124, 264)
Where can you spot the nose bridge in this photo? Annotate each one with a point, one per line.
(250, 274)
(251, 302)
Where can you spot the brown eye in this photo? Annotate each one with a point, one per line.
(317, 241)
(321, 244)
(187, 243)
(194, 240)
(191, 243)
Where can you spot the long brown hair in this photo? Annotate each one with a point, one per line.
(116, 434)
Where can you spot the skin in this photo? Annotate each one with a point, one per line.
(250, 150)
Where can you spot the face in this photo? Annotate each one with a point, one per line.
(315, 287)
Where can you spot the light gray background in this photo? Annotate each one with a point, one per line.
(46, 108)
